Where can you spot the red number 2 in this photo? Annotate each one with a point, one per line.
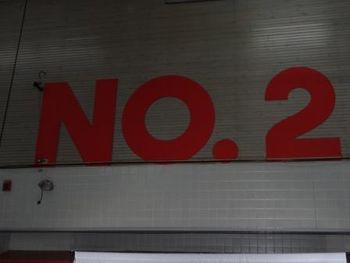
(282, 140)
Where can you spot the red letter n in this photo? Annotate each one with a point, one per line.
(94, 141)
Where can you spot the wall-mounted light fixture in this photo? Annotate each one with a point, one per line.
(39, 84)
(45, 186)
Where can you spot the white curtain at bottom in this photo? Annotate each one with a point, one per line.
(89, 257)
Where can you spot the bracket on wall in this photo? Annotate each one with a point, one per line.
(40, 84)
(45, 186)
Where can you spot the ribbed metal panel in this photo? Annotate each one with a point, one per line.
(182, 242)
(10, 22)
(233, 48)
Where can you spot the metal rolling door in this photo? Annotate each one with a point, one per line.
(11, 16)
(232, 48)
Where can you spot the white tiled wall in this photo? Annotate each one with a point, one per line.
(309, 196)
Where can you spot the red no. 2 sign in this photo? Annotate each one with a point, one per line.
(94, 139)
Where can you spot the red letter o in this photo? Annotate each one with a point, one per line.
(202, 119)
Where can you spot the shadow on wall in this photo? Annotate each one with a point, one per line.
(176, 242)
(4, 242)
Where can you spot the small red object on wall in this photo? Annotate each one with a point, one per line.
(7, 186)
(37, 257)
